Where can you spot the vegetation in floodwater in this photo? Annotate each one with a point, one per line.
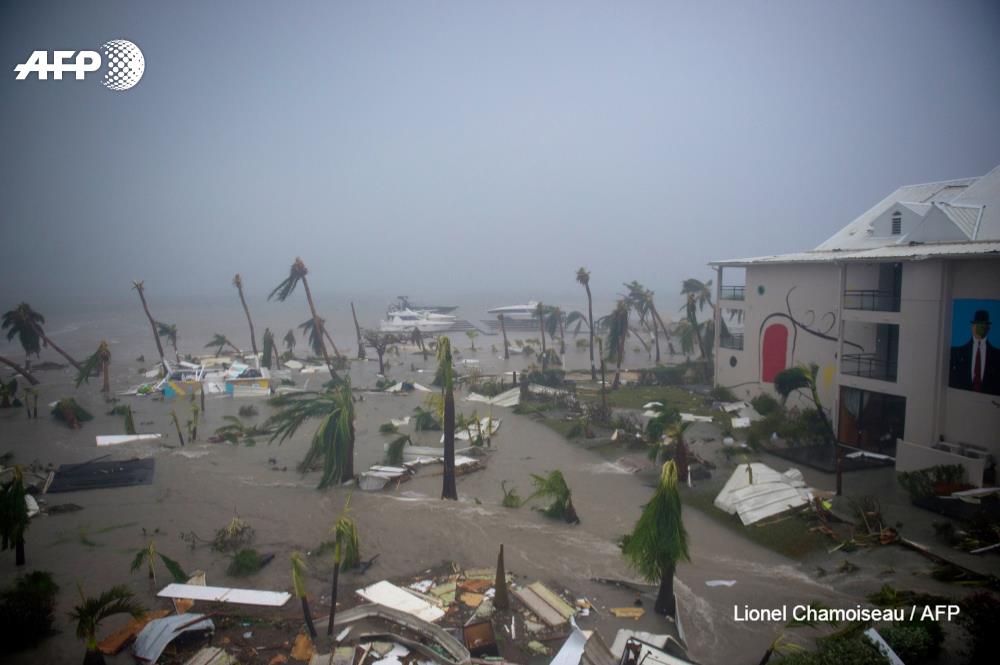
(246, 561)
(248, 411)
(553, 486)
(69, 412)
(387, 428)
(234, 536)
(27, 610)
(394, 451)
(93, 610)
(511, 498)
(149, 555)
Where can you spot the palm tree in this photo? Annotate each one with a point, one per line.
(238, 283)
(618, 332)
(472, 334)
(100, 359)
(554, 324)
(141, 288)
(803, 377)
(14, 519)
(380, 342)
(297, 274)
(417, 337)
(642, 301)
(289, 341)
(308, 328)
(219, 342)
(346, 554)
(148, 555)
(20, 370)
(92, 611)
(299, 586)
(269, 355)
(361, 344)
(659, 540)
(448, 489)
(169, 330)
(26, 324)
(333, 441)
(698, 295)
(506, 346)
(583, 278)
(540, 313)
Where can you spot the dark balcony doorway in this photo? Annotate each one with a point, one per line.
(871, 421)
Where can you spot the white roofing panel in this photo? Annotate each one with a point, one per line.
(892, 252)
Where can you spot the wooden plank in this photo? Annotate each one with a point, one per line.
(117, 640)
(539, 607)
(557, 603)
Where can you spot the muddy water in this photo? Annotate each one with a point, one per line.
(198, 488)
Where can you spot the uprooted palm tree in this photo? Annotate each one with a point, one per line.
(219, 342)
(332, 442)
(659, 540)
(346, 554)
(92, 611)
(583, 278)
(618, 331)
(449, 490)
(20, 370)
(297, 274)
(169, 330)
(14, 519)
(553, 486)
(26, 324)
(99, 360)
(238, 283)
(140, 287)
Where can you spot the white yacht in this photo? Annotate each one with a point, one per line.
(405, 320)
(517, 312)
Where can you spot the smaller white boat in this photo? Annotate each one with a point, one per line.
(405, 320)
(517, 312)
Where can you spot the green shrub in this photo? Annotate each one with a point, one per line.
(26, 610)
(387, 428)
(722, 394)
(915, 642)
(856, 650)
(920, 483)
(765, 404)
(554, 378)
(244, 562)
(662, 376)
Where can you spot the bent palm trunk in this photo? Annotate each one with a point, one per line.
(48, 342)
(246, 310)
(357, 330)
(449, 490)
(152, 324)
(20, 370)
(506, 346)
(318, 323)
(665, 603)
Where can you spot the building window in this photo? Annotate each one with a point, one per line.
(897, 223)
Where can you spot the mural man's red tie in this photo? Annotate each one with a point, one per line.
(977, 372)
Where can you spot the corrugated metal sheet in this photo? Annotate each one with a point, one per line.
(986, 249)
(964, 217)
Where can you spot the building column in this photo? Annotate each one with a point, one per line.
(842, 281)
(718, 325)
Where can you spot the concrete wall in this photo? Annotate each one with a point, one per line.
(812, 292)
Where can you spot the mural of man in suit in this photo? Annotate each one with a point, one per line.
(975, 365)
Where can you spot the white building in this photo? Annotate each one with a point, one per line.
(895, 309)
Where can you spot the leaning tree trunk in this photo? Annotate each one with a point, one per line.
(590, 323)
(20, 370)
(333, 598)
(152, 324)
(541, 326)
(106, 387)
(357, 330)
(506, 346)
(665, 603)
(58, 349)
(94, 657)
(656, 339)
(307, 614)
(246, 310)
(449, 489)
(604, 381)
(318, 323)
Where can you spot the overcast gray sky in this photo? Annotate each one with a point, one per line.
(444, 147)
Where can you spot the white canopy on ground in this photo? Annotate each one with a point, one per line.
(508, 398)
(769, 494)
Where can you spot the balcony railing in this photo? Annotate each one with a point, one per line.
(731, 341)
(869, 366)
(732, 292)
(871, 300)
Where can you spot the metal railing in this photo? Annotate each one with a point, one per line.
(731, 341)
(871, 300)
(732, 292)
(869, 366)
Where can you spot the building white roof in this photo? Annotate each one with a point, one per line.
(914, 252)
(951, 218)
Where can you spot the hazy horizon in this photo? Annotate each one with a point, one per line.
(440, 149)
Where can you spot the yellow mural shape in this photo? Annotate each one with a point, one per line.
(826, 376)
